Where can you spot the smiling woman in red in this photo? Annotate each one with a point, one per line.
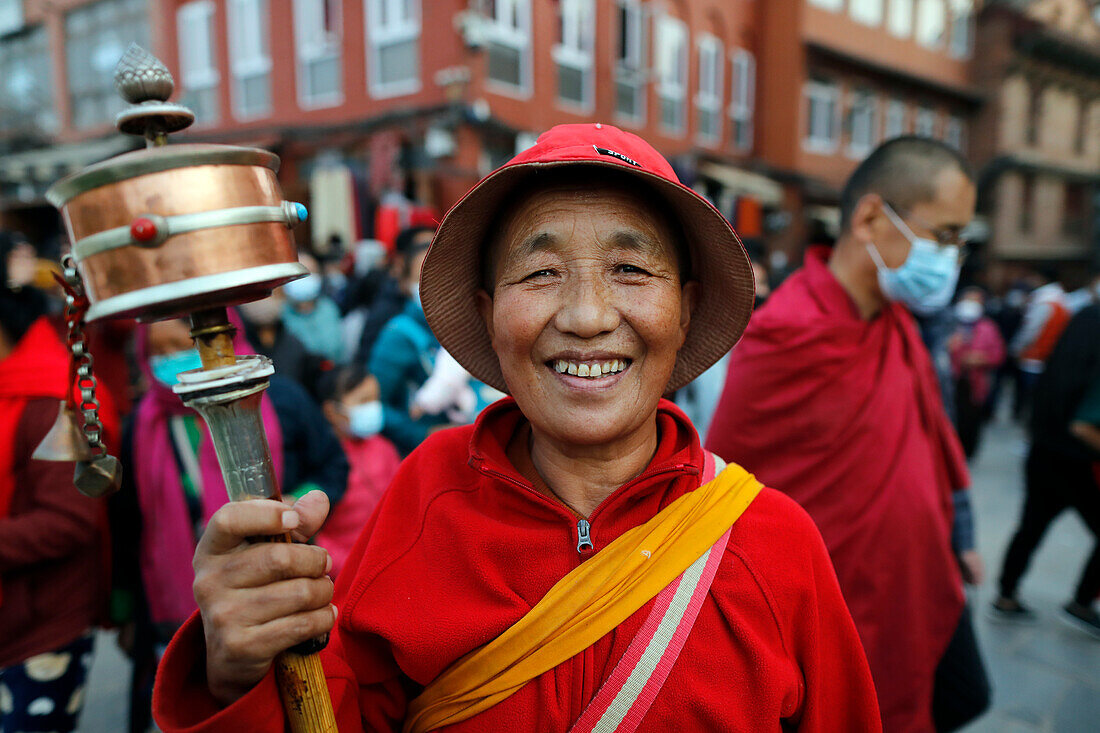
(575, 560)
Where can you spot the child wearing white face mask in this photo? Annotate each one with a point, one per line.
(977, 351)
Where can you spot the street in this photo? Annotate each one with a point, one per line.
(1044, 676)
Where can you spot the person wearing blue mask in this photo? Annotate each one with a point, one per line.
(832, 397)
(312, 316)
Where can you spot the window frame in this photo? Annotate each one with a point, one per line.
(863, 100)
(244, 68)
(711, 101)
(874, 19)
(894, 15)
(577, 52)
(955, 127)
(742, 107)
(834, 6)
(633, 72)
(204, 76)
(919, 29)
(925, 113)
(820, 89)
(312, 50)
(380, 36)
(960, 45)
(676, 90)
(516, 36)
(899, 108)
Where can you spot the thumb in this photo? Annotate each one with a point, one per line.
(313, 508)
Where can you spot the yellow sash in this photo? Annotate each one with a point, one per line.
(587, 603)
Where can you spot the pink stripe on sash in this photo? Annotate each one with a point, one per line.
(628, 692)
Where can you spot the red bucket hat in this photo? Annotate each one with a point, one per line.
(452, 271)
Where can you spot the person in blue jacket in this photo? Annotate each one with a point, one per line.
(401, 360)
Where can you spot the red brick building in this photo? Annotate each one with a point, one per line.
(840, 76)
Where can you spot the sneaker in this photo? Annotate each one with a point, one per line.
(1083, 618)
(1011, 611)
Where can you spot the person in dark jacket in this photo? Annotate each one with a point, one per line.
(52, 539)
(394, 288)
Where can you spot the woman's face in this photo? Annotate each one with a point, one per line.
(587, 312)
(168, 337)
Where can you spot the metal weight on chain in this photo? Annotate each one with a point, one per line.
(97, 473)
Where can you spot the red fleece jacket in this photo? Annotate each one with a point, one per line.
(462, 546)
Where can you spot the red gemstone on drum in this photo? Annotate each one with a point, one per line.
(143, 230)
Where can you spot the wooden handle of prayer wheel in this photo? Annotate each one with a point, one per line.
(304, 693)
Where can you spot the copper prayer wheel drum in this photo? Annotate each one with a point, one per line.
(165, 231)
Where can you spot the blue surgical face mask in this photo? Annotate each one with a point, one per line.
(926, 280)
(305, 290)
(365, 420)
(165, 367)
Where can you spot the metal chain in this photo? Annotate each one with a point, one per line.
(76, 305)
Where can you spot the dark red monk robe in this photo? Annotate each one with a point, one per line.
(845, 416)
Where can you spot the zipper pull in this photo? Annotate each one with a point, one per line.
(584, 537)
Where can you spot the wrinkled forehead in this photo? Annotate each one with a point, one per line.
(540, 216)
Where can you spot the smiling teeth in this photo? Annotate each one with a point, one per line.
(589, 369)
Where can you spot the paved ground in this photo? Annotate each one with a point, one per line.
(1046, 677)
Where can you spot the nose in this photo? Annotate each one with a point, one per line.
(587, 307)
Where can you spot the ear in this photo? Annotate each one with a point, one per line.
(485, 308)
(865, 218)
(689, 299)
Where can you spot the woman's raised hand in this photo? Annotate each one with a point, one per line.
(259, 598)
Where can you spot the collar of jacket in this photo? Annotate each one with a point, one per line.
(679, 455)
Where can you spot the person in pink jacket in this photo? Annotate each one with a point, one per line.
(977, 351)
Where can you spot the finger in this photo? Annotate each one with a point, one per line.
(279, 635)
(233, 523)
(270, 562)
(285, 598)
(312, 508)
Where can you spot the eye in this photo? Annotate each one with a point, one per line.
(628, 269)
(539, 274)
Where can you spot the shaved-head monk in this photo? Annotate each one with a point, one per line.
(831, 397)
(574, 561)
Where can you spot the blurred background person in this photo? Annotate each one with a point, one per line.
(53, 540)
(394, 287)
(976, 351)
(403, 357)
(312, 316)
(171, 486)
(1062, 469)
(350, 405)
(1045, 317)
(367, 273)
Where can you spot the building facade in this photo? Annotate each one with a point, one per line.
(1039, 161)
(841, 76)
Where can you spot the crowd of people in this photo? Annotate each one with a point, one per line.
(859, 389)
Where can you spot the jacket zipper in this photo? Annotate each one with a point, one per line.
(584, 526)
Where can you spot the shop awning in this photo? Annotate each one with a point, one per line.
(46, 165)
(743, 182)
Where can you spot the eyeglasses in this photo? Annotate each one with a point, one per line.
(943, 236)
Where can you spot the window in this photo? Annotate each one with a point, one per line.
(708, 99)
(931, 22)
(317, 31)
(895, 119)
(26, 83)
(249, 58)
(393, 37)
(11, 16)
(954, 133)
(508, 44)
(1075, 205)
(672, 71)
(866, 11)
(900, 19)
(828, 4)
(198, 66)
(961, 11)
(926, 122)
(862, 124)
(573, 53)
(743, 99)
(96, 36)
(822, 112)
(630, 60)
